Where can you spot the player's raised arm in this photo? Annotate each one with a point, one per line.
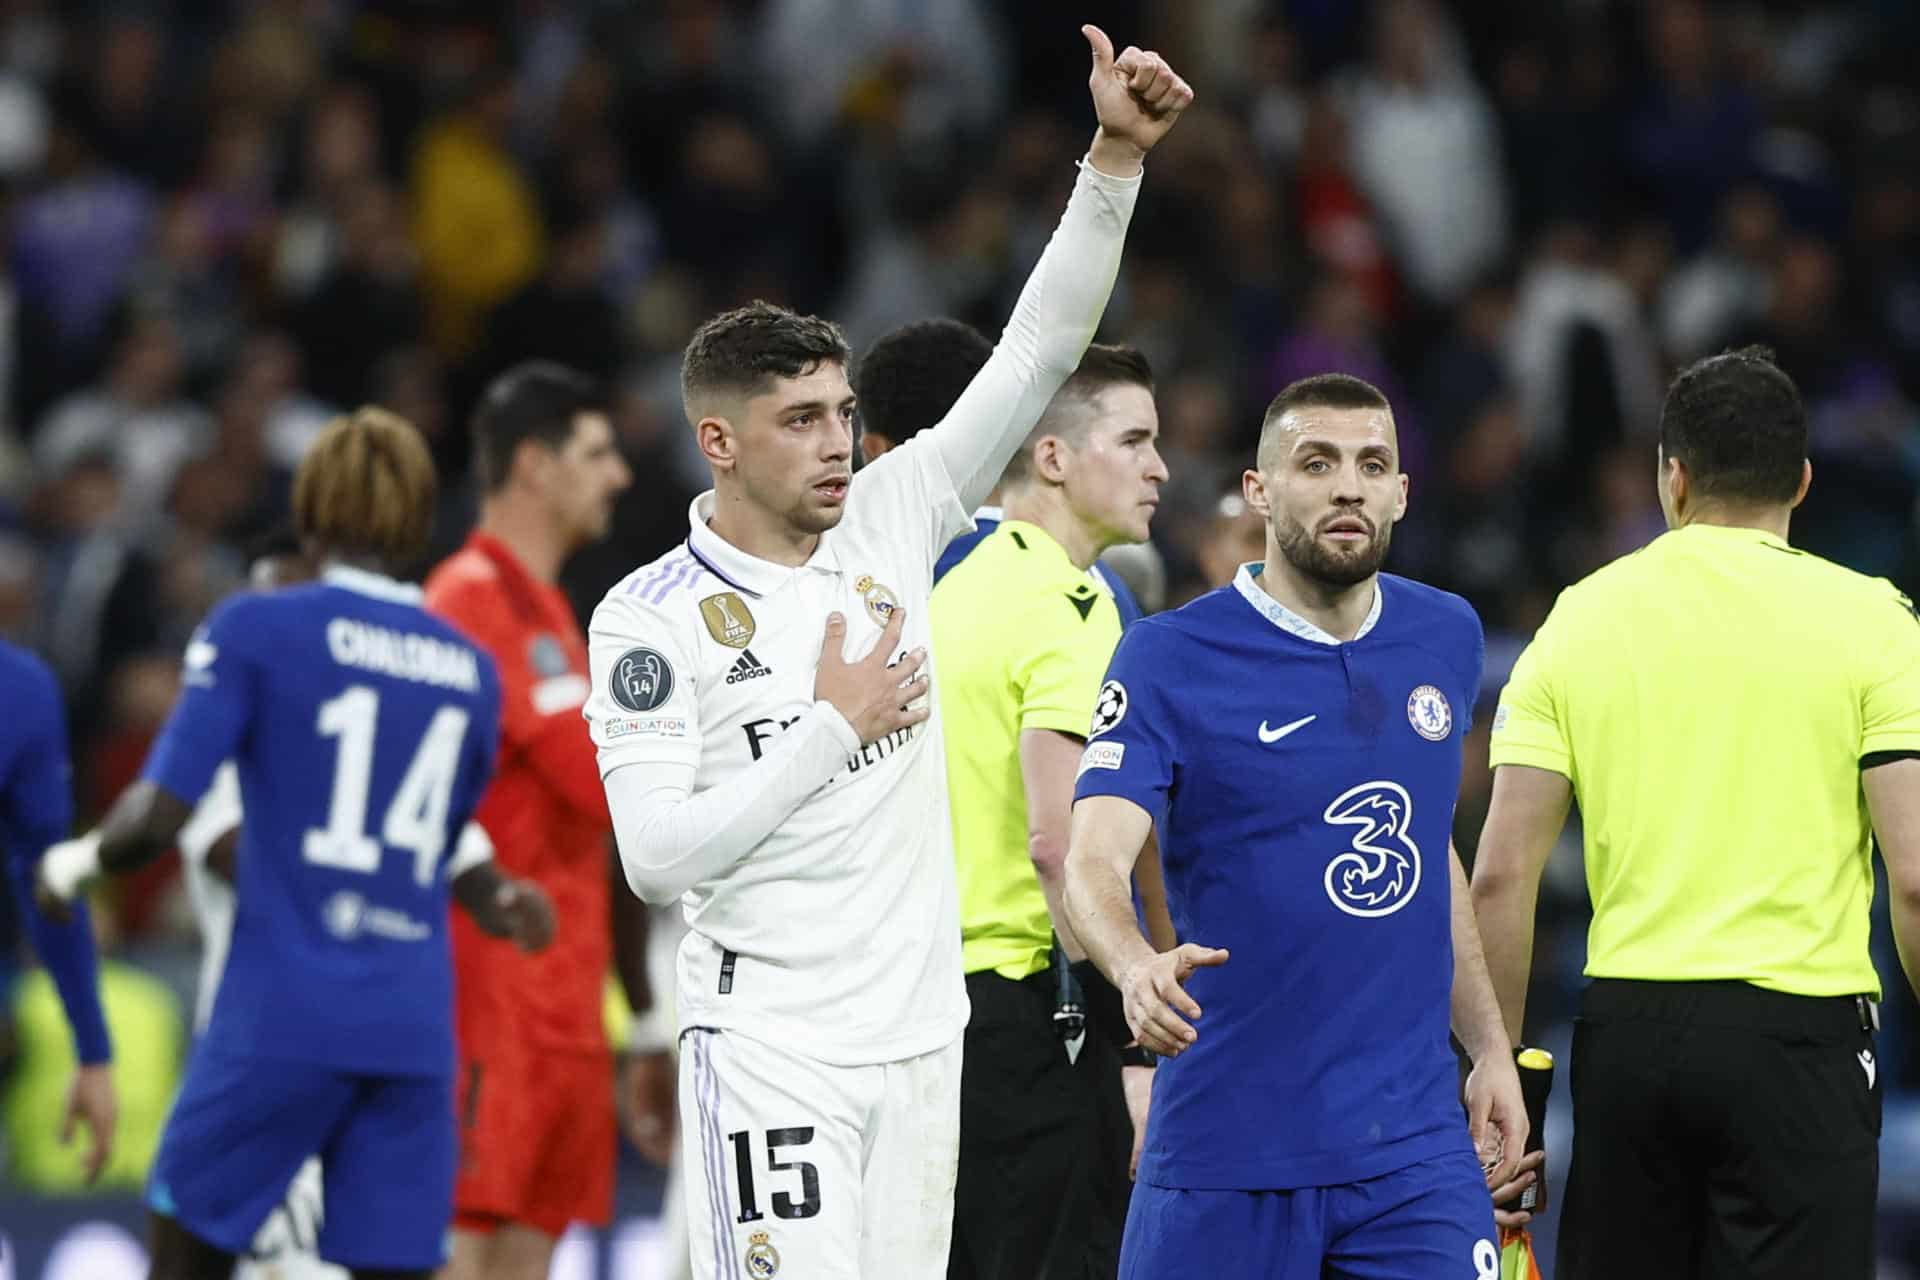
(1137, 98)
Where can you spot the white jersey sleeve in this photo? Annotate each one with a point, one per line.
(927, 486)
(644, 706)
(212, 897)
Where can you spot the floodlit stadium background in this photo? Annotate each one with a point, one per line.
(224, 220)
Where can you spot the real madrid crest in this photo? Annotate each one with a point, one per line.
(1429, 714)
(880, 602)
(728, 619)
(763, 1260)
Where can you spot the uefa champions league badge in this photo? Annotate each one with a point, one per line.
(1429, 714)
(763, 1260)
(1109, 709)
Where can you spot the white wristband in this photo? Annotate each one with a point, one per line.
(650, 1033)
(66, 867)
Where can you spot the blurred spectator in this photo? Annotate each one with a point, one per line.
(565, 314)
(1692, 133)
(367, 302)
(1582, 354)
(922, 71)
(476, 222)
(1724, 289)
(75, 241)
(340, 157)
(138, 416)
(1426, 149)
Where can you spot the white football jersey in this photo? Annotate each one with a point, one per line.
(839, 935)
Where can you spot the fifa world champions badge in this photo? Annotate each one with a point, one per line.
(763, 1260)
(728, 619)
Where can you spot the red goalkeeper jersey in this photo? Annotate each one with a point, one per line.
(545, 811)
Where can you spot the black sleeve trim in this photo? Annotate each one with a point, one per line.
(1874, 759)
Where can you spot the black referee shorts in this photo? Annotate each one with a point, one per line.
(1723, 1131)
(1043, 1188)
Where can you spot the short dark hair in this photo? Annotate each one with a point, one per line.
(740, 352)
(1327, 391)
(1321, 391)
(1736, 421)
(909, 378)
(1102, 366)
(535, 400)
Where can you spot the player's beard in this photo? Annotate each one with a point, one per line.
(1306, 553)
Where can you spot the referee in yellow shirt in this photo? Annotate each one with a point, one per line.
(1022, 633)
(1737, 719)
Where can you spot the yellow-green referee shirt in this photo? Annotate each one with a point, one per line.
(1022, 637)
(1710, 698)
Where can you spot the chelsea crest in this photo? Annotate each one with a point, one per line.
(1429, 714)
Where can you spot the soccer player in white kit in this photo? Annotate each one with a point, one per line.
(759, 704)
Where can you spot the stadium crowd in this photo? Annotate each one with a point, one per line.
(225, 222)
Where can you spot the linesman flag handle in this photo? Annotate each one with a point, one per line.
(1516, 1243)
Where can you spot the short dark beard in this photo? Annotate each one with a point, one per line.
(1310, 557)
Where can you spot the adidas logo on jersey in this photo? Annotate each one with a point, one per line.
(747, 668)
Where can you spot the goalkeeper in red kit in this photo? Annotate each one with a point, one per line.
(537, 1143)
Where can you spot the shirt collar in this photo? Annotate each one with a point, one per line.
(1737, 532)
(368, 583)
(1289, 621)
(500, 554)
(995, 514)
(736, 568)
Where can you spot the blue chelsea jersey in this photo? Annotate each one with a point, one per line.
(363, 731)
(1303, 791)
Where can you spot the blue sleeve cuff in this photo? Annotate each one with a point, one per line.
(67, 952)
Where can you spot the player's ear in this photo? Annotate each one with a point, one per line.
(527, 460)
(1400, 508)
(1806, 482)
(718, 441)
(1048, 459)
(1253, 487)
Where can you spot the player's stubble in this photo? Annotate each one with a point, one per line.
(1313, 558)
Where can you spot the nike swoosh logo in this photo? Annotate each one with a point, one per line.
(1274, 735)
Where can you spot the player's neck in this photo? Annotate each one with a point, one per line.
(1044, 509)
(1340, 611)
(1767, 519)
(760, 534)
(530, 534)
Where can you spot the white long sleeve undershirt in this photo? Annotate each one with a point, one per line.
(670, 839)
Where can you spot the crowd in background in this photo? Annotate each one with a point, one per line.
(223, 221)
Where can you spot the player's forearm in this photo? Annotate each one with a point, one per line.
(1100, 909)
(1049, 867)
(66, 949)
(477, 890)
(671, 840)
(1503, 908)
(1476, 1012)
(1055, 318)
(630, 927)
(1892, 791)
(142, 824)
